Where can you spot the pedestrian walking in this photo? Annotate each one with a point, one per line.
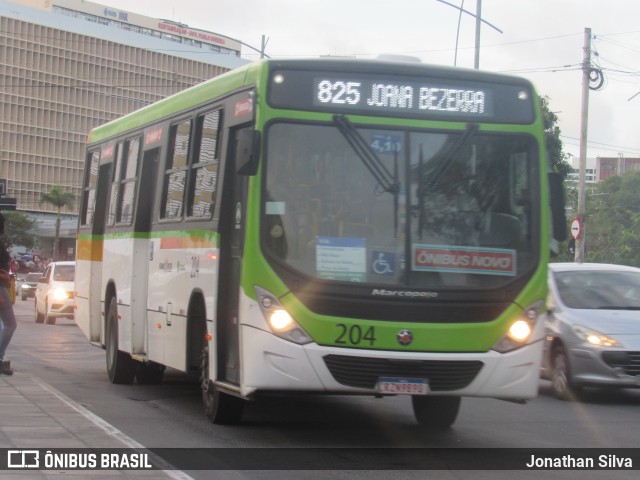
(7, 316)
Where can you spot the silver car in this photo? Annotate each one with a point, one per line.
(28, 286)
(593, 327)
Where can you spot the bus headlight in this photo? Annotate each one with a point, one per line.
(520, 331)
(280, 322)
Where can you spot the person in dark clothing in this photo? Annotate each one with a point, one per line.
(7, 316)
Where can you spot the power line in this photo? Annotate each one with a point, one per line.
(600, 145)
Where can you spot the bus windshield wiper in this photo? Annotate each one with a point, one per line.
(449, 156)
(388, 181)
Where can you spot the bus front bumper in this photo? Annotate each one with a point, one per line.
(270, 363)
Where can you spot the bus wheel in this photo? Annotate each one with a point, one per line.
(150, 373)
(220, 407)
(435, 411)
(121, 368)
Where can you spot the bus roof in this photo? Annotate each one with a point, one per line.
(177, 102)
(250, 74)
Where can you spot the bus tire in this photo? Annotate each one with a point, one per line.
(221, 408)
(121, 368)
(150, 373)
(437, 412)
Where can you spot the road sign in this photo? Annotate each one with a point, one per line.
(7, 203)
(576, 228)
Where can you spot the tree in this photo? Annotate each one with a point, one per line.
(613, 221)
(19, 230)
(59, 200)
(557, 158)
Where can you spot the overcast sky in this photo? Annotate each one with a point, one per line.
(542, 40)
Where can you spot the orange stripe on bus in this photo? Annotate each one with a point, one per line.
(89, 250)
(185, 242)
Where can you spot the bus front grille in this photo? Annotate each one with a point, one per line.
(364, 372)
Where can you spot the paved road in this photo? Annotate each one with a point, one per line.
(58, 359)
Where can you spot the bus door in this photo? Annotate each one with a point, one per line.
(141, 251)
(232, 230)
(95, 332)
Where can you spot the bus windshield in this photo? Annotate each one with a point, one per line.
(458, 208)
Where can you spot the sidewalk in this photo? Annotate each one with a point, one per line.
(35, 415)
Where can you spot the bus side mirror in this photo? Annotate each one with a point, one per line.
(556, 201)
(247, 151)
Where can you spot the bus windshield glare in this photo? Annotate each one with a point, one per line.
(457, 208)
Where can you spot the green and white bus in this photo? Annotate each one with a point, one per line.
(323, 226)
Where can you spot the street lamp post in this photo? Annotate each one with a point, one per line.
(479, 21)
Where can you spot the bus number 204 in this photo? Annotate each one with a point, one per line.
(355, 335)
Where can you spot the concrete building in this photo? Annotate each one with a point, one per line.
(611, 166)
(600, 168)
(590, 172)
(67, 66)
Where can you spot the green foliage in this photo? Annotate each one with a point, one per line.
(19, 230)
(557, 158)
(613, 221)
(58, 198)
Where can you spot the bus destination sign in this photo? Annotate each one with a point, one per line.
(457, 98)
(402, 96)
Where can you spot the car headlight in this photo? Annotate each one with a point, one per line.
(595, 338)
(280, 322)
(520, 330)
(59, 294)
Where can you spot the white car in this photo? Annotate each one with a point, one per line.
(55, 292)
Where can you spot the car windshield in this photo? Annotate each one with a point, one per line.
(32, 277)
(400, 207)
(64, 273)
(599, 289)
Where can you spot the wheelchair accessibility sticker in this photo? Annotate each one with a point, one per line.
(383, 263)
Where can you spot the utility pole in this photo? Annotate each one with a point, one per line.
(586, 70)
(263, 46)
(476, 61)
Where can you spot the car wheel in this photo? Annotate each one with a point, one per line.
(220, 407)
(435, 412)
(48, 319)
(561, 382)
(121, 368)
(39, 318)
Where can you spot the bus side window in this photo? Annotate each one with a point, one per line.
(128, 183)
(115, 185)
(204, 174)
(90, 186)
(175, 175)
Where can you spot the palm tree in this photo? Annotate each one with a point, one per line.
(58, 199)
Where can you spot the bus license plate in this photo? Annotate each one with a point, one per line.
(403, 386)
